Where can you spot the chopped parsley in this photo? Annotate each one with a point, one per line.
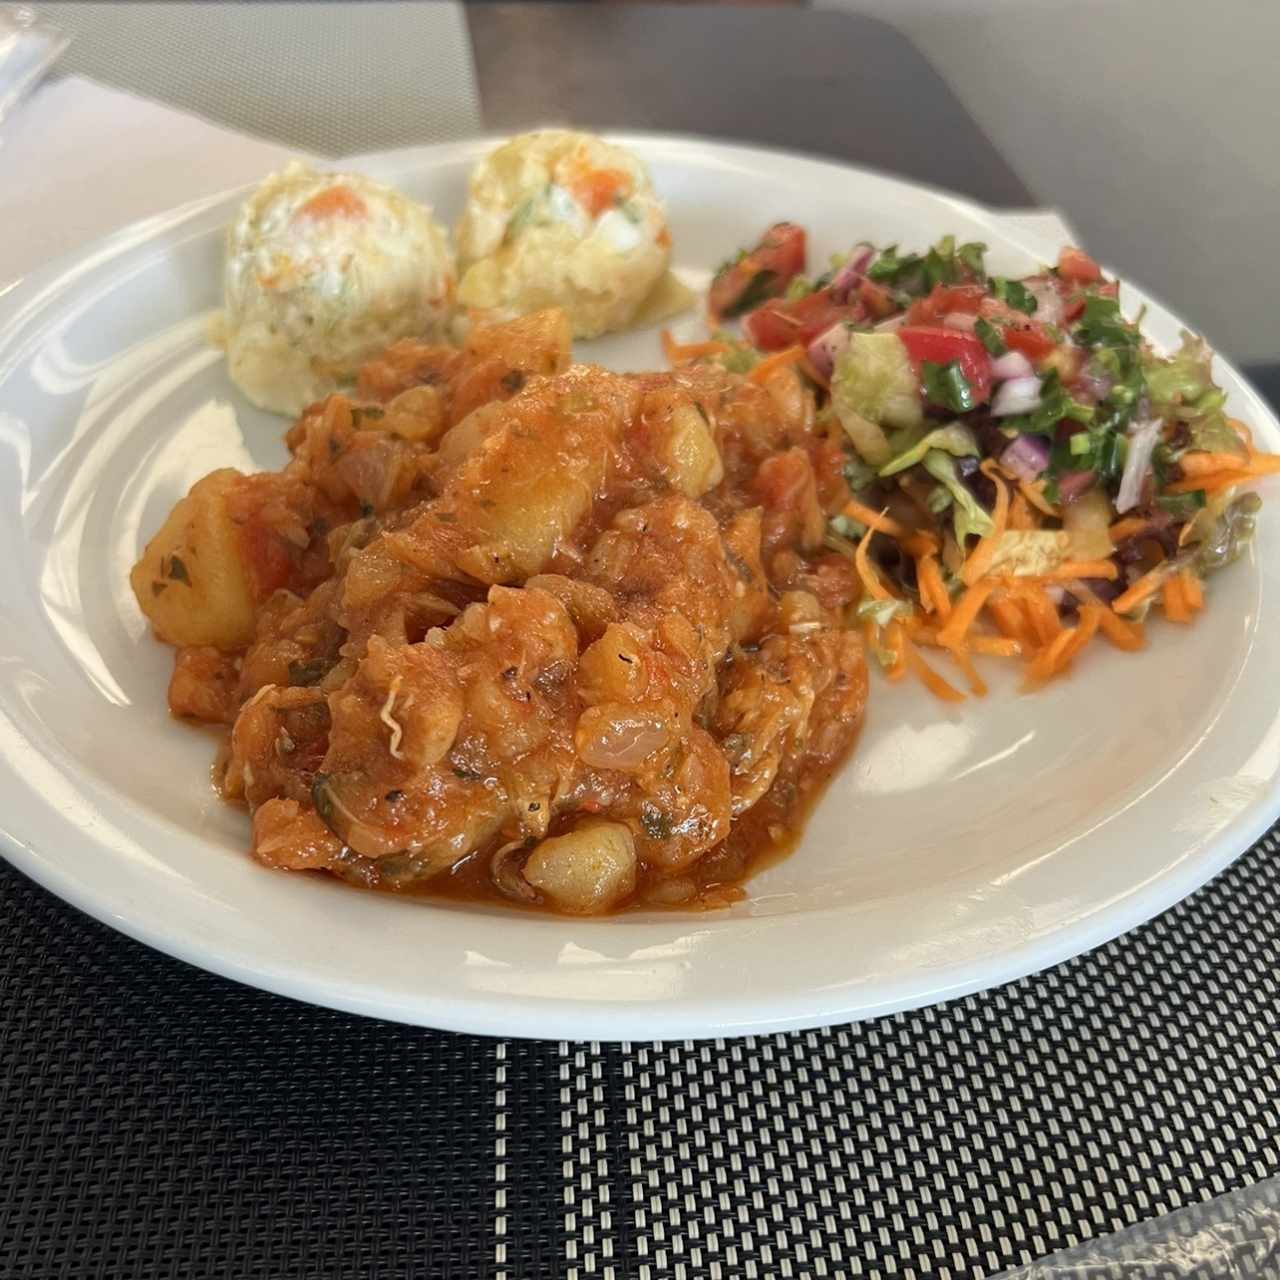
(990, 337)
(945, 263)
(1103, 325)
(1015, 293)
(946, 385)
(1055, 405)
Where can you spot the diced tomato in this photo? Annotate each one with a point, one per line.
(940, 345)
(781, 324)
(1073, 306)
(266, 555)
(1032, 341)
(763, 273)
(876, 298)
(945, 299)
(1075, 264)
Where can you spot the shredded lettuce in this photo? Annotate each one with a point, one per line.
(969, 516)
(1181, 387)
(874, 380)
(1184, 376)
(1227, 537)
(1028, 552)
(955, 438)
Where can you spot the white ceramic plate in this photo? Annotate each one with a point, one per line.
(959, 848)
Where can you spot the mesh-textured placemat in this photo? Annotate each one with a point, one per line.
(157, 1122)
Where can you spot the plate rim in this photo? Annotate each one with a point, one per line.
(493, 1014)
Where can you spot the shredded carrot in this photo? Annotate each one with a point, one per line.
(770, 364)
(871, 583)
(920, 543)
(963, 614)
(979, 561)
(933, 592)
(681, 353)
(1084, 632)
(1202, 463)
(1209, 484)
(977, 685)
(975, 642)
(1034, 494)
(1010, 619)
(880, 521)
(1042, 613)
(1021, 514)
(1147, 585)
(1192, 590)
(1175, 607)
(1242, 430)
(1045, 663)
(895, 639)
(1080, 569)
(1127, 528)
(1125, 635)
(931, 680)
(1259, 464)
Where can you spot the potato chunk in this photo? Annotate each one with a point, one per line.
(587, 870)
(689, 451)
(192, 581)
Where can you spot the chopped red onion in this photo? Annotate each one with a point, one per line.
(892, 323)
(961, 320)
(849, 277)
(1091, 388)
(1072, 484)
(1013, 364)
(826, 348)
(1143, 438)
(1026, 456)
(1017, 395)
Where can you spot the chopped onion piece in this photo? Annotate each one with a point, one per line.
(849, 277)
(961, 320)
(825, 349)
(1049, 308)
(1017, 395)
(1143, 438)
(1013, 364)
(1026, 456)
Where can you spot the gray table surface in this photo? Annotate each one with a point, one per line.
(836, 84)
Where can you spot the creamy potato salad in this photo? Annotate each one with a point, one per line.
(562, 219)
(323, 271)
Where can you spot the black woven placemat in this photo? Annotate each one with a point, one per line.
(156, 1121)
